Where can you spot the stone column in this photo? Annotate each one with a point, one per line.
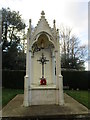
(32, 59)
(53, 69)
(30, 75)
(61, 94)
(60, 77)
(57, 76)
(27, 92)
(26, 79)
(59, 80)
(57, 69)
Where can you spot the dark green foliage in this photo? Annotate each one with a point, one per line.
(73, 79)
(76, 79)
(72, 63)
(13, 79)
(13, 60)
(13, 26)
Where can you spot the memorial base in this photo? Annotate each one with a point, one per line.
(43, 95)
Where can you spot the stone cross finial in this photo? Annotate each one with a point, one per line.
(54, 21)
(42, 13)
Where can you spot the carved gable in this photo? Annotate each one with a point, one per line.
(43, 27)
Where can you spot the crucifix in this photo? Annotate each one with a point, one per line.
(43, 61)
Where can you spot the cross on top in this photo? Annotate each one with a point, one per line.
(42, 13)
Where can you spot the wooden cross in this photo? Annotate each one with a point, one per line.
(43, 61)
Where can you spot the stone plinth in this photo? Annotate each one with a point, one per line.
(43, 94)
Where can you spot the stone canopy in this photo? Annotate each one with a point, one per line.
(43, 82)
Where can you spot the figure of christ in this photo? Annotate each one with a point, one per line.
(43, 61)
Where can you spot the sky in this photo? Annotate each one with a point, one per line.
(72, 13)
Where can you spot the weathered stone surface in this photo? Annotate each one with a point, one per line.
(43, 40)
(43, 97)
(71, 107)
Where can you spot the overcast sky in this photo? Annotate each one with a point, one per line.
(73, 13)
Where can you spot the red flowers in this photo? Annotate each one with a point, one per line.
(42, 81)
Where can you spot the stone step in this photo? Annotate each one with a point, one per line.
(57, 117)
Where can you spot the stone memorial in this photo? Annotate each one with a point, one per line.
(43, 83)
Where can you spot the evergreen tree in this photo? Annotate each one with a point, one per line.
(12, 27)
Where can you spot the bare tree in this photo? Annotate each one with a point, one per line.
(73, 54)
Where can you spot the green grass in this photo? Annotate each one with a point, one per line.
(8, 94)
(81, 96)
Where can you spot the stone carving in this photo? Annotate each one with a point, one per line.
(43, 83)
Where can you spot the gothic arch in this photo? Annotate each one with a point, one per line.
(45, 34)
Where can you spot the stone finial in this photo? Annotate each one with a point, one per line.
(42, 13)
(57, 30)
(29, 20)
(54, 26)
(29, 29)
(29, 23)
(54, 21)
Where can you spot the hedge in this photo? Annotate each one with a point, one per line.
(13, 79)
(71, 79)
(76, 79)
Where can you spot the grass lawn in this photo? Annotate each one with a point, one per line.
(81, 96)
(8, 94)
